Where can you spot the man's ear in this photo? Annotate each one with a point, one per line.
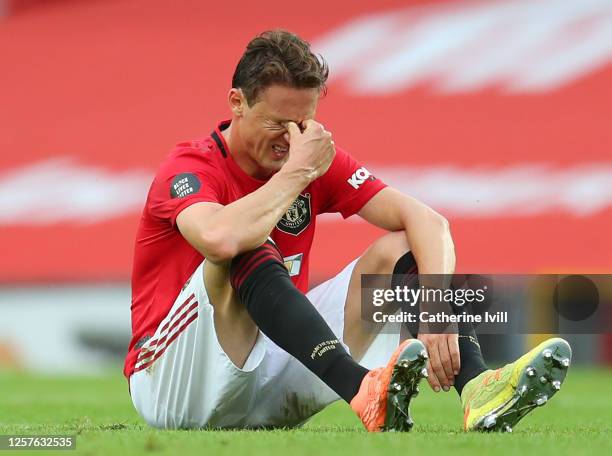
(237, 102)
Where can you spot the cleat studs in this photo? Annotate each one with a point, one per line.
(541, 400)
(547, 354)
(543, 379)
(404, 363)
(424, 373)
(530, 371)
(565, 362)
(423, 354)
(523, 390)
(490, 421)
(396, 387)
(507, 428)
(556, 385)
(416, 391)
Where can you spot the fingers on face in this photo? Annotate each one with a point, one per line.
(313, 125)
(310, 127)
(310, 124)
(292, 128)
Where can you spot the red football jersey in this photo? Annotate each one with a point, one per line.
(204, 170)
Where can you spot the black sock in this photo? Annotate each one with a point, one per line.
(289, 319)
(405, 273)
(472, 362)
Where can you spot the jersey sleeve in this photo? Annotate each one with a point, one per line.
(178, 187)
(347, 185)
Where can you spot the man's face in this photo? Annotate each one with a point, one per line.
(263, 129)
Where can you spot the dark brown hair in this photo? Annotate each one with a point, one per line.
(278, 57)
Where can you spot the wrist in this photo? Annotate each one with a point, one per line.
(298, 177)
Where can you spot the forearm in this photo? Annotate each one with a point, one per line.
(427, 232)
(429, 237)
(220, 232)
(247, 222)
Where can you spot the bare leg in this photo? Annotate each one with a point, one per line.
(235, 329)
(379, 258)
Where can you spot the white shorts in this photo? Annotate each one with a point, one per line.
(184, 379)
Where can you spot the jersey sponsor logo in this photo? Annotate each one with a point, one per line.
(184, 184)
(359, 177)
(297, 217)
(293, 264)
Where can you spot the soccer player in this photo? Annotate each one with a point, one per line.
(225, 331)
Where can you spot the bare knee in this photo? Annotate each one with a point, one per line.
(235, 330)
(382, 256)
(379, 258)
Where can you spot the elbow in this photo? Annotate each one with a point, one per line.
(219, 255)
(218, 247)
(440, 223)
(439, 226)
(443, 227)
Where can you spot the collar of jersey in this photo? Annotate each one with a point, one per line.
(236, 170)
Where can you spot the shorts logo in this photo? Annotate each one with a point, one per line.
(359, 177)
(184, 184)
(297, 217)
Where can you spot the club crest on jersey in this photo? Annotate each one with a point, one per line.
(297, 217)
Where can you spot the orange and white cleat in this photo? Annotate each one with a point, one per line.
(383, 400)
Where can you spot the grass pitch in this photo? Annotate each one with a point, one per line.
(578, 420)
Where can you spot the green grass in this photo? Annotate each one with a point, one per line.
(577, 421)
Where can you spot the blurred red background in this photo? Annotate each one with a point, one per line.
(96, 90)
